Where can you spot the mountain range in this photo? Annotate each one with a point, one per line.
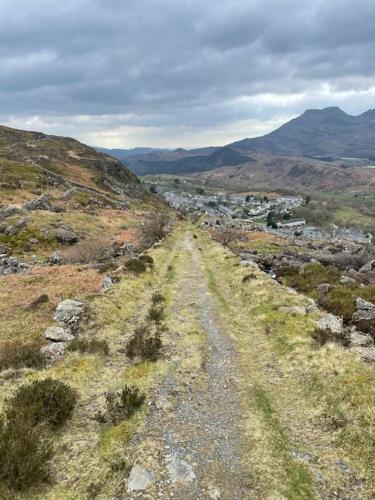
(326, 134)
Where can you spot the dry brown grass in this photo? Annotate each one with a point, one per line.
(58, 283)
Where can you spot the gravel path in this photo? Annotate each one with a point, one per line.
(192, 443)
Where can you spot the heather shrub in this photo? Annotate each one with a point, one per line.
(24, 452)
(125, 404)
(43, 401)
(144, 345)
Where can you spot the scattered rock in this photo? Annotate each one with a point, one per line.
(347, 280)
(66, 236)
(107, 282)
(5, 251)
(331, 323)
(365, 353)
(323, 288)
(41, 203)
(179, 470)
(312, 307)
(57, 258)
(139, 479)
(359, 339)
(370, 266)
(58, 334)
(69, 312)
(363, 318)
(163, 404)
(11, 265)
(364, 305)
(54, 351)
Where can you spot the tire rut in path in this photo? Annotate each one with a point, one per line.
(199, 439)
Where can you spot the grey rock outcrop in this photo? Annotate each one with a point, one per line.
(370, 266)
(41, 203)
(330, 328)
(58, 334)
(11, 265)
(66, 236)
(69, 312)
(54, 351)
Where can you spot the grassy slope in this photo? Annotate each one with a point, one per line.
(315, 400)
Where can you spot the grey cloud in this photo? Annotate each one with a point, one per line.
(179, 62)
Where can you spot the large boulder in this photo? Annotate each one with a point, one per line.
(364, 316)
(58, 334)
(66, 236)
(330, 328)
(69, 312)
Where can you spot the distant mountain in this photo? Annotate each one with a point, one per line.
(328, 132)
(186, 162)
(123, 154)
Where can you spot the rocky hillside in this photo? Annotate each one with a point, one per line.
(291, 174)
(43, 161)
(328, 132)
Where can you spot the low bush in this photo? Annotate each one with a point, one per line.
(43, 401)
(147, 260)
(144, 345)
(139, 265)
(17, 354)
(311, 276)
(88, 251)
(156, 313)
(157, 298)
(24, 452)
(340, 301)
(90, 346)
(125, 405)
(154, 229)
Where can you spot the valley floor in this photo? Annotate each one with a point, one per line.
(242, 404)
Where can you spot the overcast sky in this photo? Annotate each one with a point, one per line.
(169, 73)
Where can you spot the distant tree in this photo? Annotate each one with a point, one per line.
(153, 189)
(307, 200)
(265, 198)
(248, 198)
(176, 181)
(286, 216)
(270, 219)
(274, 225)
(200, 191)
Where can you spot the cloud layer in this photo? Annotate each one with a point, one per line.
(181, 72)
